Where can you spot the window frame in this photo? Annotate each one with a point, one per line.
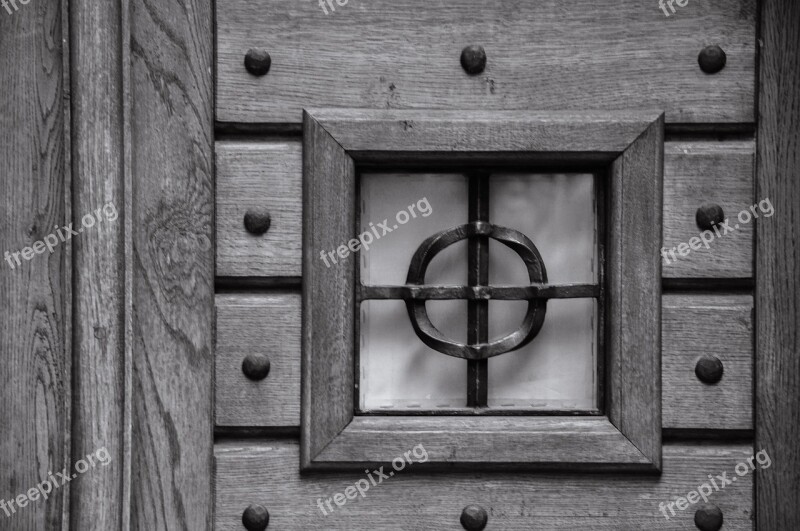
(338, 143)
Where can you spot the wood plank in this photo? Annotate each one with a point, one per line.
(170, 175)
(778, 267)
(258, 324)
(270, 174)
(412, 499)
(692, 325)
(99, 359)
(35, 383)
(717, 325)
(264, 176)
(700, 173)
(538, 57)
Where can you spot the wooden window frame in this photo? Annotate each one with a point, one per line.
(628, 145)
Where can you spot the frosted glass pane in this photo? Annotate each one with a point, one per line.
(557, 212)
(383, 196)
(398, 371)
(558, 369)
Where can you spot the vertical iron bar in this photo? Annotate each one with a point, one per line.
(478, 275)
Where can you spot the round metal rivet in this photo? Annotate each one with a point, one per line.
(257, 62)
(473, 59)
(255, 518)
(708, 369)
(709, 215)
(257, 221)
(256, 367)
(474, 518)
(712, 59)
(708, 517)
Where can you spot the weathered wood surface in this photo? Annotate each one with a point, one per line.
(269, 174)
(99, 359)
(692, 325)
(35, 384)
(412, 499)
(404, 54)
(778, 267)
(171, 263)
(717, 325)
(258, 324)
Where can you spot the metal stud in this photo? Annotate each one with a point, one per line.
(256, 367)
(708, 517)
(474, 518)
(712, 59)
(257, 221)
(473, 59)
(257, 62)
(709, 369)
(709, 215)
(255, 518)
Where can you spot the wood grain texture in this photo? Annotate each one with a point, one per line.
(548, 55)
(270, 174)
(258, 324)
(267, 474)
(717, 325)
(171, 175)
(778, 267)
(633, 314)
(328, 343)
(35, 294)
(692, 325)
(699, 173)
(99, 360)
(265, 176)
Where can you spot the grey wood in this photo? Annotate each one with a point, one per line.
(269, 174)
(404, 54)
(35, 384)
(692, 325)
(267, 473)
(100, 358)
(170, 178)
(778, 267)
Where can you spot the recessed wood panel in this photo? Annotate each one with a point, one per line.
(544, 55)
(693, 325)
(263, 325)
(269, 175)
(268, 474)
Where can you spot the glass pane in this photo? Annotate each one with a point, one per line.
(398, 371)
(557, 212)
(558, 369)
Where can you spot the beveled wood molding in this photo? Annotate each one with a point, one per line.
(627, 146)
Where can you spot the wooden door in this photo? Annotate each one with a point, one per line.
(218, 338)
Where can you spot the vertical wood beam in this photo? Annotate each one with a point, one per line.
(34, 293)
(778, 268)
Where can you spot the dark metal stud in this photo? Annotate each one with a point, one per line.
(257, 221)
(709, 215)
(257, 62)
(474, 518)
(712, 59)
(473, 59)
(709, 369)
(708, 517)
(255, 518)
(256, 367)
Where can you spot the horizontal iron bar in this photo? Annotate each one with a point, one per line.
(500, 293)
